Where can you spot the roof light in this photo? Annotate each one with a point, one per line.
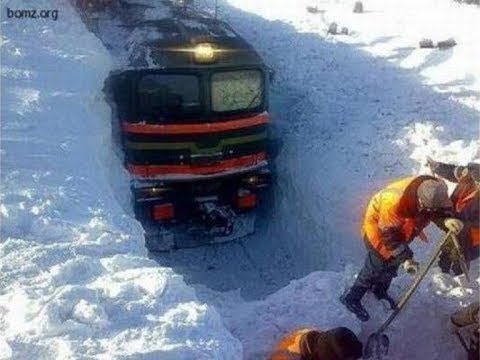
(204, 53)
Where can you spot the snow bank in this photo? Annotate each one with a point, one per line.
(309, 302)
(75, 280)
(421, 331)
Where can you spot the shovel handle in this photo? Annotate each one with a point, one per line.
(462, 340)
(461, 257)
(415, 284)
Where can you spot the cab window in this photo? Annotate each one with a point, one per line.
(169, 95)
(236, 90)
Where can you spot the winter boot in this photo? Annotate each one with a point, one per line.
(380, 293)
(444, 262)
(351, 299)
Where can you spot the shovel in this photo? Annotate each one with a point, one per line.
(378, 343)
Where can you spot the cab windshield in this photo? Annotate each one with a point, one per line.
(169, 96)
(236, 90)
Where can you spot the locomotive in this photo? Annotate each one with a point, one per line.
(191, 113)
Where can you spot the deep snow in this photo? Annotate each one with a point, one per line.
(74, 274)
(353, 112)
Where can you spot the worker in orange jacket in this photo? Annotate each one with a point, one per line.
(394, 217)
(466, 206)
(310, 344)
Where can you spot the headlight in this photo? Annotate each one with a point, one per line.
(154, 191)
(256, 181)
(252, 180)
(204, 53)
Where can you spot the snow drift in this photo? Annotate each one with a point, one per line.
(75, 280)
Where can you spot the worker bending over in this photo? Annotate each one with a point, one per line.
(394, 217)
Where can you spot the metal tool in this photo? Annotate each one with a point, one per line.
(461, 257)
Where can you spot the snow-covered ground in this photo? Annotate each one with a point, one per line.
(75, 281)
(352, 111)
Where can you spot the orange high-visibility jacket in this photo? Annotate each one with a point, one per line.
(466, 201)
(289, 346)
(394, 207)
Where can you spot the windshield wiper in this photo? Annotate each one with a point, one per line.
(253, 100)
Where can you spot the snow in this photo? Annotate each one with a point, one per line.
(75, 278)
(353, 112)
(308, 302)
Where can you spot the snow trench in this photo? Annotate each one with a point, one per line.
(74, 275)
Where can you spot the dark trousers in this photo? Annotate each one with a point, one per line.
(449, 259)
(377, 273)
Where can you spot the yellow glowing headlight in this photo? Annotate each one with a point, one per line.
(204, 53)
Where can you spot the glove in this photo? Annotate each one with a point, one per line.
(410, 266)
(453, 225)
(402, 253)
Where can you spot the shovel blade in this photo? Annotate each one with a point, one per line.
(376, 346)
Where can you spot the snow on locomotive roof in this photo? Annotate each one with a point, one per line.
(151, 41)
(206, 28)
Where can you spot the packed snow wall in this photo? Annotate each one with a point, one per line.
(74, 278)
